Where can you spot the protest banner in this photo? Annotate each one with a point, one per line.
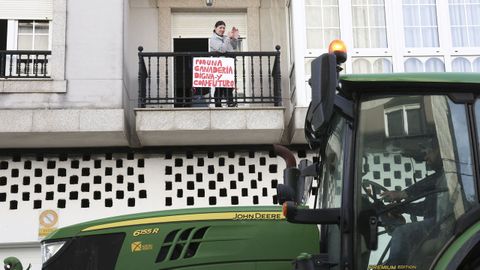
(213, 72)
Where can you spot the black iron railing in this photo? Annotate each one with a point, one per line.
(165, 80)
(24, 64)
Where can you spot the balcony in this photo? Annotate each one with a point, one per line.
(24, 64)
(24, 71)
(173, 112)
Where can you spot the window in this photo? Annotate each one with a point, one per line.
(369, 27)
(420, 23)
(424, 64)
(430, 174)
(372, 64)
(33, 35)
(404, 120)
(322, 22)
(466, 64)
(330, 190)
(465, 22)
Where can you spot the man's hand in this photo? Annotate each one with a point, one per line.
(393, 196)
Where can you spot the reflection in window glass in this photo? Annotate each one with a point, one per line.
(369, 27)
(323, 24)
(395, 123)
(420, 19)
(431, 173)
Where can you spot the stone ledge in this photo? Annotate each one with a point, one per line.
(209, 126)
(296, 128)
(62, 128)
(32, 86)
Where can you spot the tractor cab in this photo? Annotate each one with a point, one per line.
(397, 180)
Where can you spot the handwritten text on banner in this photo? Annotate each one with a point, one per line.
(213, 72)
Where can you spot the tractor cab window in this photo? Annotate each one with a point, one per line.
(330, 188)
(415, 171)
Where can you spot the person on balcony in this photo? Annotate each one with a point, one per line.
(224, 43)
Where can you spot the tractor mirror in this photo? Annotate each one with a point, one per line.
(323, 83)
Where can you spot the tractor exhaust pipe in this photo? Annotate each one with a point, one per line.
(286, 154)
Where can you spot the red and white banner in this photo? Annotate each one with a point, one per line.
(213, 72)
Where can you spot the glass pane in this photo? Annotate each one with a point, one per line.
(360, 16)
(312, 2)
(41, 27)
(459, 37)
(474, 34)
(457, 15)
(377, 16)
(330, 2)
(413, 37)
(359, 2)
(332, 177)
(476, 65)
(382, 66)
(313, 16)
(361, 66)
(413, 65)
(329, 35)
(330, 17)
(361, 38)
(473, 17)
(378, 38)
(414, 122)
(330, 192)
(410, 16)
(25, 27)
(420, 185)
(315, 39)
(428, 16)
(461, 64)
(24, 42)
(395, 123)
(434, 65)
(430, 37)
(41, 42)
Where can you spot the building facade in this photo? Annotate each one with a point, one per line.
(96, 98)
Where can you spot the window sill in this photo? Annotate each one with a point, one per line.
(8, 86)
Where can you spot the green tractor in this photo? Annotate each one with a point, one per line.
(397, 188)
(398, 171)
(205, 239)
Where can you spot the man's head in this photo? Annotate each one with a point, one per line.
(430, 155)
(220, 28)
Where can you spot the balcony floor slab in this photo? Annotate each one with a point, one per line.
(209, 126)
(62, 128)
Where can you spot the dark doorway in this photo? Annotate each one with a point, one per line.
(183, 68)
(3, 46)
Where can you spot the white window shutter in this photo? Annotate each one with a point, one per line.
(26, 9)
